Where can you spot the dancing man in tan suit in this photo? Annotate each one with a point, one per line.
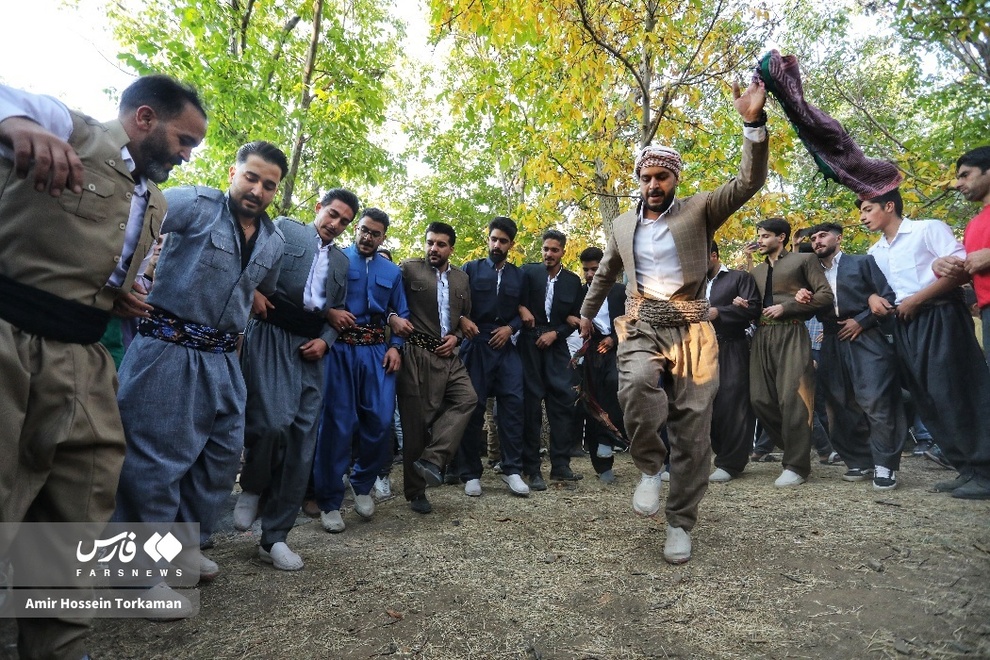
(435, 393)
(668, 355)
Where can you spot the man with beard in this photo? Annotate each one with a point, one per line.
(184, 451)
(80, 208)
(282, 362)
(436, 397)
(667, 351)
(781, 372)
(550, 294)
(360, 377)
(492, 359)
(973, 181)
(734, 305)
(858, 366)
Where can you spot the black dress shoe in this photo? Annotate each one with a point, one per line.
(536, 482)
(420, 504)
(935, 454)
(429, 472)
(565, 474)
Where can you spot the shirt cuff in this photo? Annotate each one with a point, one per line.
(758, 134)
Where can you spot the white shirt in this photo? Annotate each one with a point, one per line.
(830, 275)
(443, 300)
(315, 293)
(907, 260)
(548, 301)
(708, 287)
(658, 268)
(601, 321)
(54, 116)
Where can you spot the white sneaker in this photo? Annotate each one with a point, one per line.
(281, 557)
(208, 569)
(161, 593)
(665, 475)
(332, 521)
(719, 476)
(677, 548)
(646, 499)
(473, 488)
(789, 478)
(364, 506)
(382, 488)
(516, 484)
(604, 451)
(245, 511)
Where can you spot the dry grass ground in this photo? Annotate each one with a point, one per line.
(827, 570)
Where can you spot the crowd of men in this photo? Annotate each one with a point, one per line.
(263, 341)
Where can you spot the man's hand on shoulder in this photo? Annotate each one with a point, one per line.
(56, 164)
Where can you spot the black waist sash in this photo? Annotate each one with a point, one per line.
(293, 319)
(44, 314)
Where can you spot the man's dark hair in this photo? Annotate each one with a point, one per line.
(166, 96)
(442, 228)
(502, 223)
(979, 157)
(266, 151)
(377, 215)
(831, 227)
(344, 195)
(892, 196)
(385, 252)
(555, 235)
(714, 250)
(776, 226)
(591, 254)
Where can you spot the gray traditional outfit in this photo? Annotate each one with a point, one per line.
(182, 395)
(285, 391)
(668, 355)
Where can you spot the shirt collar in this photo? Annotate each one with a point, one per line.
(141, 185)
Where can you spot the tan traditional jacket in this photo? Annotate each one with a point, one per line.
(693, 221)
(420, 282)
(69, 245)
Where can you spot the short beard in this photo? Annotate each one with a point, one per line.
(154, 153)
(496, 257)
(662, 207)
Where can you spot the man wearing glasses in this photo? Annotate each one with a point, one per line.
(360, 377)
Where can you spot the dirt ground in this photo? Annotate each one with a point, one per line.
(828, 570)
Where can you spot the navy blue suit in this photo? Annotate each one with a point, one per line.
(547, 370)
(495, 372)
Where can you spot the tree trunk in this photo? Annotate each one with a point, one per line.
(304, 103)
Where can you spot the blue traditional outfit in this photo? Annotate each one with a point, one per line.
(362, 402)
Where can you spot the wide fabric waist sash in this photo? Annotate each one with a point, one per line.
(167, 327)
(44, 314)
(667, 313)
(293, 319)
